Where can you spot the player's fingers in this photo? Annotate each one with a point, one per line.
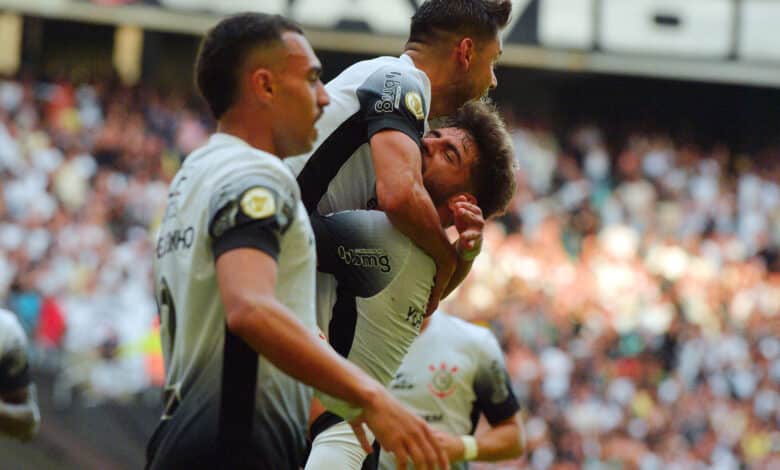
(469, 218)
(416, 453)
(471, 234)
(429, 445)
(467, 206)
(360, 433)
(440, 458)
(401, 459)
(473, 219)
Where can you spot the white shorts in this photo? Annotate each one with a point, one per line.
(337, 448)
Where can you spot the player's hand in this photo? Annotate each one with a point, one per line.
(452, 445)
(470, 223)
(401, 433)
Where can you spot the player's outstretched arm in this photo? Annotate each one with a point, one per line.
(403, 197)
(247, 279)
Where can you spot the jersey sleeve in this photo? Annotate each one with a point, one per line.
(360, 248)
(14, 369)
(252, 209)
(492, 387)
(393, 98)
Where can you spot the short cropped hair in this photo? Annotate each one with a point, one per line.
(224, 49)
(493, 175)
(481, 19)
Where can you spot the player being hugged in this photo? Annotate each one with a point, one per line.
(374, 283)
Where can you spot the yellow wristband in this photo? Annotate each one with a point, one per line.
(470, 450)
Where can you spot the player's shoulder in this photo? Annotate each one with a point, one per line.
(389, 72)
(365, 68)
(475, 335)
(232, 160)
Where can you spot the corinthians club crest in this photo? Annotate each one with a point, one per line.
(442, 383)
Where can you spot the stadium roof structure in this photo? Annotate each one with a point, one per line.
(731, 41)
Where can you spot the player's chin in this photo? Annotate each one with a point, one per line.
(313, 138)
(307, 143)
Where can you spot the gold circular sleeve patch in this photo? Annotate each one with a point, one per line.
(258, 203)
(414, 104)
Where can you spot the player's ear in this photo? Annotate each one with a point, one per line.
(261, 84)
(465, 52)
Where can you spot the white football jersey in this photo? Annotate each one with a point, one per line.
(229, 195)
(373, 288)
(453, 373)
(368, 97)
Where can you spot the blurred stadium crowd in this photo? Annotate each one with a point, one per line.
(84, 172)
(635, 290)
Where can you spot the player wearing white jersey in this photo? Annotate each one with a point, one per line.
(19, 414)
(453, 374)
(368, 155)
(373, 282)
(235, 271)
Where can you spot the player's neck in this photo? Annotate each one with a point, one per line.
(248, 129)
(442, 91)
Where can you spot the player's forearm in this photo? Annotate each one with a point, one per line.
(402, 195)
(271, 330)
(501, 442)
(462, 270)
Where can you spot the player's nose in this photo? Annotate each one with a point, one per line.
(323, 99)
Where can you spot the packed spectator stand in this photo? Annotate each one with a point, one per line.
(635, 287)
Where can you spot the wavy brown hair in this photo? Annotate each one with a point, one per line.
(493, 174)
